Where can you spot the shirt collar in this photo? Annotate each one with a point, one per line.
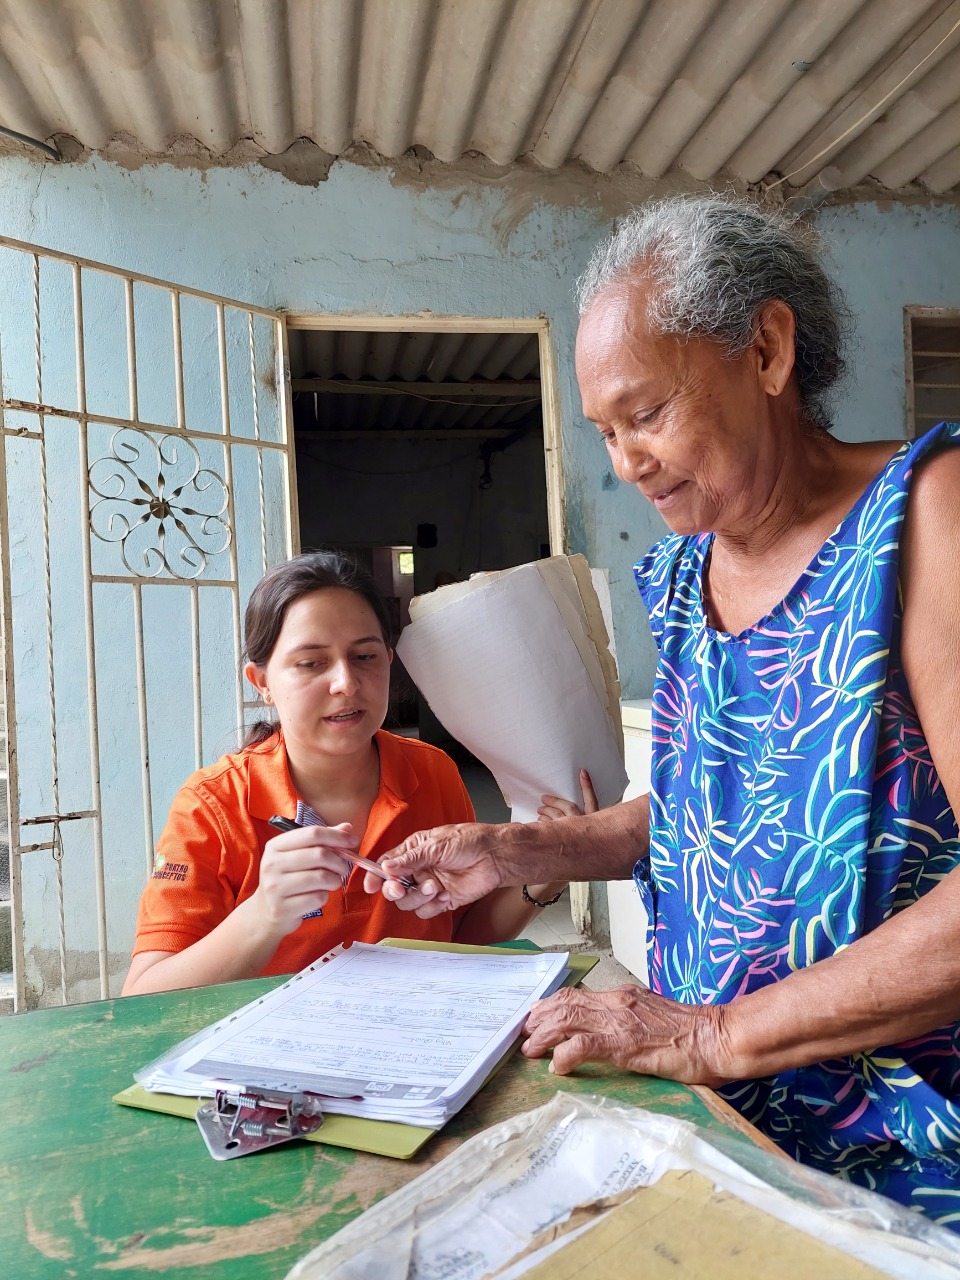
(397, 774)
(270, 789)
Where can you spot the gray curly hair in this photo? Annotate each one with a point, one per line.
(716, 262)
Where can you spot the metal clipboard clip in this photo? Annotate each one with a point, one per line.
(239, 1121)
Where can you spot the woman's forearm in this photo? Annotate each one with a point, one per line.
(898, 982)
(597, 846)
(241, 946)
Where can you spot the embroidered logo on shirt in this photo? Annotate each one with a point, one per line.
(164, 870)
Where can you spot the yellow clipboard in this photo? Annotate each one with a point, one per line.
(379, 1137)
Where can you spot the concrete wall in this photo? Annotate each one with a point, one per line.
(380, 494)
(365, 241)
(368, 241)
(885, 258)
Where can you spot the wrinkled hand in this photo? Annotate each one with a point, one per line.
(630, 1027)
(553, 807)
(298, 871)
(452, 866)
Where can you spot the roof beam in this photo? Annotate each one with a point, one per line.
(450, 433)
(529, 389)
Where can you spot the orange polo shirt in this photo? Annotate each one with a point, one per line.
(208, 856)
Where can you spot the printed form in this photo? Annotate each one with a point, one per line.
(383, 1032)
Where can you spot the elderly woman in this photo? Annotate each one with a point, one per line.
(797, 852)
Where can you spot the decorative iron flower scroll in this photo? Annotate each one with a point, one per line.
(164, 509)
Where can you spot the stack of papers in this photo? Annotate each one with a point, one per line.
(518, 666)
(379, 1032)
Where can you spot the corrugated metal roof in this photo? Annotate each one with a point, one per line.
(413, 357)
(720, 89)
(427, 374)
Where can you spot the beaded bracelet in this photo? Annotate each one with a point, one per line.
(535, 902)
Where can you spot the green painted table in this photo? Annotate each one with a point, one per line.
(90, 1188)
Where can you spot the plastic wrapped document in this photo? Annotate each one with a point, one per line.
(517, 666)
(582, 1189)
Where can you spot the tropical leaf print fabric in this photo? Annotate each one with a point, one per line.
(794, 807)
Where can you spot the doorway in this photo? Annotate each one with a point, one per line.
(427, 445)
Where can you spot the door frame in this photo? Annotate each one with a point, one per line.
(425, 322)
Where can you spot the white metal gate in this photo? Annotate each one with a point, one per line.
(146, 482)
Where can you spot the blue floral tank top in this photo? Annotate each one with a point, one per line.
(794, 806)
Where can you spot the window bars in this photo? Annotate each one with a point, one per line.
(932, 381)
(146, 483)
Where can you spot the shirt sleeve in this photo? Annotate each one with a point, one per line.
(188, 893)
(458, 799)
(462, 810)
(449, 798)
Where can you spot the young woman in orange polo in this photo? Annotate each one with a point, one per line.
(230, 897)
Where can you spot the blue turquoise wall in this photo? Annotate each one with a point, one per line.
(361, 242)
(885, 258)
(365, 242)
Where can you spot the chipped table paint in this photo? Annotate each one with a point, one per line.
(89, 1188)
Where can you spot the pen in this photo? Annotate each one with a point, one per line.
(288, 824)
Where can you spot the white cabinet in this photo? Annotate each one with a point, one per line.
(628, 920)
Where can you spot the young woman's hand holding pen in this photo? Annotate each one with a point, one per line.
(298, 872)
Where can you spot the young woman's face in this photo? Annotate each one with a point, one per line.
(329, 673)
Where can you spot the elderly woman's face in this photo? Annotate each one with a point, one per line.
(688, 427)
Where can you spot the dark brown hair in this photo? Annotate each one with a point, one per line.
(280, 588)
